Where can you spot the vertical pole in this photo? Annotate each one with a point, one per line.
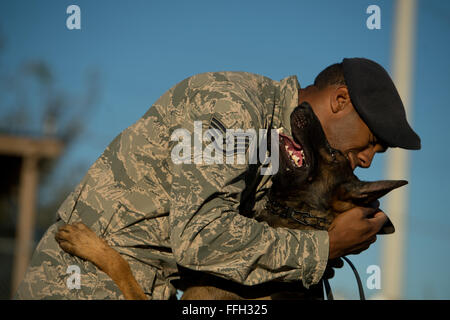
(397, 159)
(26, 219)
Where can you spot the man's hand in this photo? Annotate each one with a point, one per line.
(354, 231)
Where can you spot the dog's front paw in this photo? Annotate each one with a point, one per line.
(79, 240)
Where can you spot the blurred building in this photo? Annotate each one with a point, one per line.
(21, 160)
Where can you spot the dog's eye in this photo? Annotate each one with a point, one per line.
(333, 156)
(333, 153)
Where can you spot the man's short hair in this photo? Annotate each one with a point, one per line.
(331, 75)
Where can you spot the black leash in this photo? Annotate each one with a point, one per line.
(329, 293)
(358, 279)
(328, 289)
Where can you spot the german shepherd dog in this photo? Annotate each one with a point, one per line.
(313, 185)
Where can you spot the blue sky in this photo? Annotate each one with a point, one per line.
(142, 48)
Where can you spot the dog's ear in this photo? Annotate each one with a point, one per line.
(364, 192)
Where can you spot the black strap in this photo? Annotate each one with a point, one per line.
(358, 279)
(328, 292)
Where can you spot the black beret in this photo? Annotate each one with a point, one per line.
(376, 99)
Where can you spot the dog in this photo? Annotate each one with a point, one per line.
(314, 184)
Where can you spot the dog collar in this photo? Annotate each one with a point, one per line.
(304, 218)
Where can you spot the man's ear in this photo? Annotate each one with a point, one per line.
(339, 98)
(363, 192)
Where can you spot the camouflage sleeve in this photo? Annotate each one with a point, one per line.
(207, 232)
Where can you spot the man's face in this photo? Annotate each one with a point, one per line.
(343, 127)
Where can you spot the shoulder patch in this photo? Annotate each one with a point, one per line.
(216, 124)
(237, 141)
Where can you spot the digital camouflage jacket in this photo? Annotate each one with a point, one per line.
(159, 214)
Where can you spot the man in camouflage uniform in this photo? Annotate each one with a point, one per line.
(158, 214)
